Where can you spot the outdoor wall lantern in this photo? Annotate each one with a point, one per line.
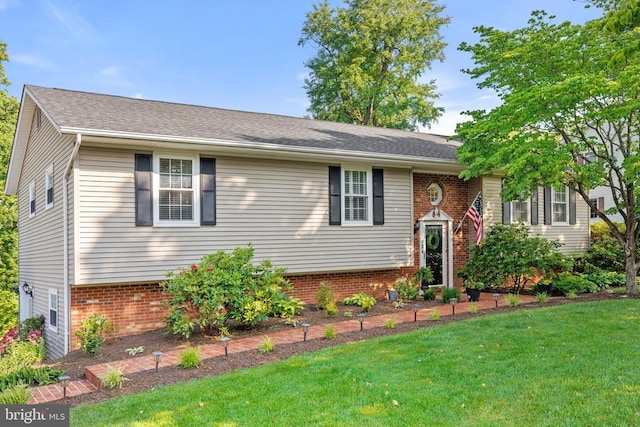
(415, 312)
(156, 357)
(305, 329)
(416, 226)
(495, 298)
(65, 381)
(225, 344)
(361, 317)
(453, 302)
(27, 289)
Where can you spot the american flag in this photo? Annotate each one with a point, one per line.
(474, 213)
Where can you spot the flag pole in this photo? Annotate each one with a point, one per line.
(465, 214)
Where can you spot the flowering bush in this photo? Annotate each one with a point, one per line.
(12, 336)
(22, 346)
(225, 287)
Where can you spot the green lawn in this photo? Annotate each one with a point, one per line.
(571, 365)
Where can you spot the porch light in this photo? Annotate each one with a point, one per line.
(361, 317)
(27, 289)
(156, 357)
(415, 312)
(453, 302)
(305, 329)
(65, 381)
(495, 298)
(225, 343)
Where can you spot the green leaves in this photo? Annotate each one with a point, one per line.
(369, 60)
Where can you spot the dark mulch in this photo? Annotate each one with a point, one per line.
(115, 349)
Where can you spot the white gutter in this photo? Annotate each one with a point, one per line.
(65, 239)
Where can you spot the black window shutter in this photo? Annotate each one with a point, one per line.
(144, 193)
(378, 196)
(572, 206)
(534, 206)
(335, 195)
(506, 212)
(207, 191)
(547, 205)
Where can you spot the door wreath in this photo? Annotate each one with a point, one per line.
(433, 241)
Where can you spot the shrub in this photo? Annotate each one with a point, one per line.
(190, 357)
(267, 345)
(577, 283)
(92, 332)
(513, 300)
(429, 295)
(435, 315)
(407, 288)
(473, 308)
(332, 308)
(114, 377)
(17, 395)
(20, 354)
(8, 309)
(361, 300)
(542, 297)
(509, 257)
(448, 293)
(390, 323)
(325, 295)
(225, 287)
(330, 332)
(30, 376)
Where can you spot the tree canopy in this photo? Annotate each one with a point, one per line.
(370, 60)
(8, 207)
(568, 116)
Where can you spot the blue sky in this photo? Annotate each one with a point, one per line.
(236, 54)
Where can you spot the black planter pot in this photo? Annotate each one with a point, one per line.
(548, 289)
(473, 294)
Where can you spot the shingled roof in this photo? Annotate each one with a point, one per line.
(73, 110)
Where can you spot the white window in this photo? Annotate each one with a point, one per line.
(32, 199)
(356, 197)
(434, 192)
(53, 310)
(48, 187)
(176, 190)
(560, 206)
(520, 211)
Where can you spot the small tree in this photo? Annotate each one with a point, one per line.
(226, 286)
(509, 257)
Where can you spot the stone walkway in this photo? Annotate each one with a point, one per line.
(93, 373)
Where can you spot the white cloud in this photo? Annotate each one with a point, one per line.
(69, 16)
(111, 72)
(138, 95)
(32, 60)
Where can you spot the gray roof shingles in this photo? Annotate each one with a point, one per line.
(97, 112)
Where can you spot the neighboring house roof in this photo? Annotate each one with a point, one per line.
(98, 115)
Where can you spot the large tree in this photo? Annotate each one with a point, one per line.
(371, 56)
(8, 207)
(568, 117)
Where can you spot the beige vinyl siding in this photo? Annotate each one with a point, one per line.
(574, 238)
(281, 207)
(40, 245)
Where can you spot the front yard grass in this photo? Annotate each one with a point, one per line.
(565, 365)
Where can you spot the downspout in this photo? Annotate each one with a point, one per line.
(65, 239)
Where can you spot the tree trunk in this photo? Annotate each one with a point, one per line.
(630, 252)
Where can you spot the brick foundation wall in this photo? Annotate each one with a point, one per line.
(132, 308)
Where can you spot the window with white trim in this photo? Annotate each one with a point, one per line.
(48, 187)
(53, 310)
(434, 192)
(32, 199)
(520, 211)
(356, 197)
(560, 205)
(176, 190)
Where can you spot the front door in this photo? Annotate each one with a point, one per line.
(433, 251)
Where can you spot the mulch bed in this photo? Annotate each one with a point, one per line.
(115, 348)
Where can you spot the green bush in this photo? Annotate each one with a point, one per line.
(429, 295)
(30, 376)
(407, 288)
(325, 295)
(225, 287)
(510, 258)
(448, 293)
(92, 332)
(566, 283)
(190, 357)
(361, 300)
(19, 355)
(8, 310)
(18, 395)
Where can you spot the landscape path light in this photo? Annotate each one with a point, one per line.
(305, 329)
(225, 344)
(156, 357)
(453, 302)
(495, 298)
(361, 317)
(65, 382)
(415, 312)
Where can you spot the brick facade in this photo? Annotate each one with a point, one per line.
(135, 308)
